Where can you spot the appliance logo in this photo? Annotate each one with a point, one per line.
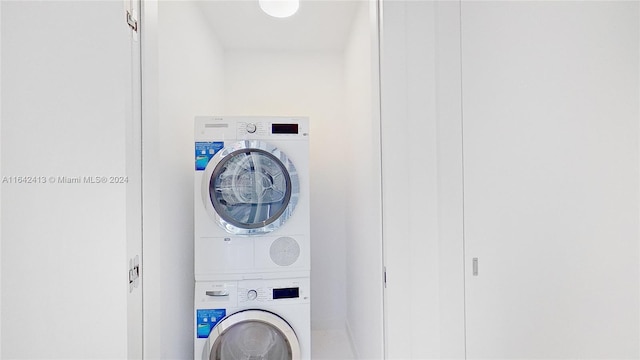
(205, 151)
(206, 320)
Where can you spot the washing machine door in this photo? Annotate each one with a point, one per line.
(253, 334)
(250, 188)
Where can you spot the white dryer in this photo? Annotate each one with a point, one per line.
(253, 319)
(251, 196)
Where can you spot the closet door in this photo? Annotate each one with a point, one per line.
(550, 119)
(133, 148)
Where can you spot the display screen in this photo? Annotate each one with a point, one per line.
(286, 293)
(284, 128)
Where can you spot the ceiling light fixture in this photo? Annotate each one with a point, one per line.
(279, 8)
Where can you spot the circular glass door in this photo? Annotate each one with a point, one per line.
(251, 187)
(253, 334)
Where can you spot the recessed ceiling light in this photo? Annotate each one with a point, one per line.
(279, 8)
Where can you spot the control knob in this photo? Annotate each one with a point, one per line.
(251, 128)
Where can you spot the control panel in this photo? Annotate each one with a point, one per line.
(249, 127)
(292, 290)
(260, 128)
(245, 292)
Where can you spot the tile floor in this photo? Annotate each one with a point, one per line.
(330, 344)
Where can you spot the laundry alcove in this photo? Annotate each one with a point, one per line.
(229, 58)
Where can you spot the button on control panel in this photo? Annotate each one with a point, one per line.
(254, 294)
(251, 128)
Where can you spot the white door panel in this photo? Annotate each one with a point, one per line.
(134, 186)
(550, 114)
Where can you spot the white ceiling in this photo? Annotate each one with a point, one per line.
(318, 25)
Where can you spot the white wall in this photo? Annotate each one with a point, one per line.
(190, 65)
(65, 81)
(306, 83)
(364, 270)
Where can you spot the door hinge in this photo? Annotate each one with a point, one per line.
(132, 22)
(134, 272)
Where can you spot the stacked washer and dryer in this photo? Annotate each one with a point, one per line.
(252, 229)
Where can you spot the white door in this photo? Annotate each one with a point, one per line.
(68, 95)
(134, 183)
(550, 117)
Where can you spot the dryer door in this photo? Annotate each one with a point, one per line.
(250, 188)
(253, 334)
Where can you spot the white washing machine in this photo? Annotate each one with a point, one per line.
(253, 319)
(251, 196)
